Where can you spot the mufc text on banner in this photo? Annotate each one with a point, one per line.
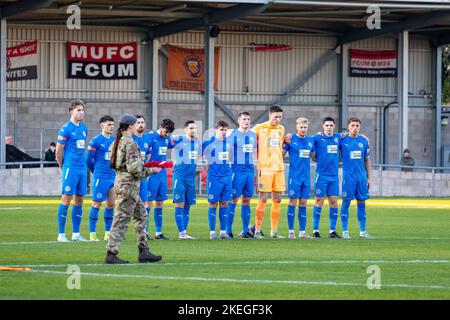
(375, 64)
(21, 62)
(101, 60)
(186, 68)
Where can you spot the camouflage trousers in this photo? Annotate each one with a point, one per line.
(128, 206)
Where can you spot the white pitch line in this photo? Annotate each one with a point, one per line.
(343, 240)
(346, 240)
(418, 261)
(30, 242)
(24, 208)
(252, 281)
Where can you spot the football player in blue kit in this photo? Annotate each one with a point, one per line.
(186, 150)
(218, 151)
(300, 149)
(157, 183)
(71, 159)
(326, 180)
(243, 183)
(142, 140)
(357, 171)
(98, 162)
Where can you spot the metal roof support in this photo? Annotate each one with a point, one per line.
(413, 22)
(301, 80)
(222, 106)
(209, 79)
(154, 59)
(22, 6)
(442, 39)
(2, 90)
(436, 4)
(343, 90)
(402, 90)
(216, 16)
(104, 12)
(282, 26)
(437, 61)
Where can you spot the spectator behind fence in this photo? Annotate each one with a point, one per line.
(14, 154)
(407, 160)
(50, 155)
(9, 140)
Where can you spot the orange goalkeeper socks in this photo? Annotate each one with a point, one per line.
(275, 215)
(259, 217)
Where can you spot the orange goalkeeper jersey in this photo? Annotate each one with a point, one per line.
(270, 144)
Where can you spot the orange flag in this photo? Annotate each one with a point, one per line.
(186, 68)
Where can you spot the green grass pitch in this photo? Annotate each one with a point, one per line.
(411, 250)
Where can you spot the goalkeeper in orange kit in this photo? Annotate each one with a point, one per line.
(270, 136)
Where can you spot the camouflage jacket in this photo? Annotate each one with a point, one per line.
(128, 164)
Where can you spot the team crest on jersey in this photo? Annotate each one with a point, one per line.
(67, 188)
(234, 191)
(261, 185)
(310, 144)
(146, 145)
(318, 191)
(360, 145)
(291, 192)
(344, 194)
(99, 195)
(177, 196)
(210, 196)
(84, 134)
(336, 140)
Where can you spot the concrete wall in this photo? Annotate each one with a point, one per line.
(47, 181)
(412, 184)
(30, 182)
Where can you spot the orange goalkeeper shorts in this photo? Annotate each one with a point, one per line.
(271, 181)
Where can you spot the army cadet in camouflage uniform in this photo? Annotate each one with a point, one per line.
(127, 161)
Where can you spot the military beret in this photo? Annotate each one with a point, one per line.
(128, 119)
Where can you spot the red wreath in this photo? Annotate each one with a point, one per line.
(159, 164)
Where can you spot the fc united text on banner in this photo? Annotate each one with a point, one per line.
(21, 62)
(186, 68)
(102, 60)
(373, 63)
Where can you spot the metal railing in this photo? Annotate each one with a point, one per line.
(32, 164)
(409, 169)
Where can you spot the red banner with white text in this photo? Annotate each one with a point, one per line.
(374, 64)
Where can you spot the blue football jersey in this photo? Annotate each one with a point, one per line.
(299, 150)
(244, 148)
(327, 154)
(99, 157)
(143, 145)
(73, 137)
(158, 147)
(354, 151)
(185, 152)
(218, 154)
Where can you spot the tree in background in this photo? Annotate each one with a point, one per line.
(446, 74)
